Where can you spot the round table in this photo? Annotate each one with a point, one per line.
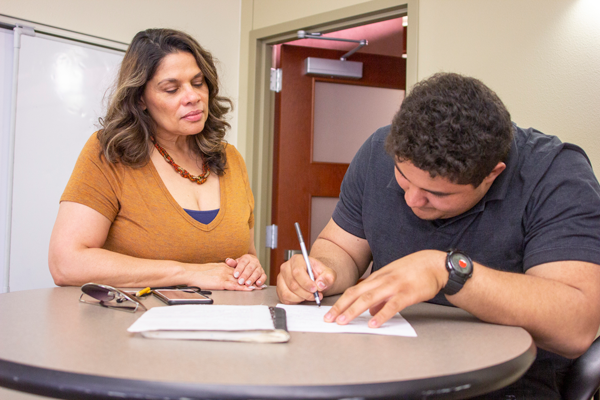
(53, 345)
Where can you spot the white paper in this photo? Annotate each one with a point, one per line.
(301, 318)
(204, 317)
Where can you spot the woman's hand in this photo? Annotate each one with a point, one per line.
(214, 276)
(248, 271)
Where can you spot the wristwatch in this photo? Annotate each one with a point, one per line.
(460, 268)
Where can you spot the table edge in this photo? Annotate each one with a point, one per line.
(71, 385)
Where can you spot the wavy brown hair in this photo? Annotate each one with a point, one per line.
(452, 126)
(127, 129)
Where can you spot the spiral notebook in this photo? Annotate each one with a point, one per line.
(262, 324)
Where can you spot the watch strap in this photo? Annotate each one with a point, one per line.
(453, 285)
(456, 281)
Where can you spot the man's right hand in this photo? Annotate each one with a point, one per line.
(294, 284)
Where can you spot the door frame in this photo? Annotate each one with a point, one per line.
(256, 113)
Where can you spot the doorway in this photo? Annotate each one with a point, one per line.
(257, 110)
(321, 121)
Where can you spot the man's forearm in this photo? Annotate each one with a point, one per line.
(561, 315)
(557, 303)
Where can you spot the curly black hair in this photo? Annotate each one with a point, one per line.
(452, 126)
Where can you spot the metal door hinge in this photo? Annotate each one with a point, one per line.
(276, 80)
(271, 237)
(290, 253)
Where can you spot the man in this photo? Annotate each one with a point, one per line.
(521, 209)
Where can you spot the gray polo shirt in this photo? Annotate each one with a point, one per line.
(544, 207)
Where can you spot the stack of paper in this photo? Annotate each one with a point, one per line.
(209, 322)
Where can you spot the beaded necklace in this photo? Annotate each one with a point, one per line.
(200, 179)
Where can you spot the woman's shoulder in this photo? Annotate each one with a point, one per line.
(230, 149)
(93, 141)
(235, 161)
(232, 154)
(92, 145)
(91, 148)
(92, 153)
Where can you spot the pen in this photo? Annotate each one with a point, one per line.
(305, 255)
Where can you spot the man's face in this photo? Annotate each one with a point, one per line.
(438, 198)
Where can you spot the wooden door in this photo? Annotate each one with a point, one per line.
(296, 178)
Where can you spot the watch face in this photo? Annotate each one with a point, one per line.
(462, 265)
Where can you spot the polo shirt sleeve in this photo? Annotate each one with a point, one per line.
(348, 212)
(562, 218)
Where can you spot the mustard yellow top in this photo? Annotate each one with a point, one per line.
(148, 223)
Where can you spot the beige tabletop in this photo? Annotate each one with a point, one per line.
(52, 344)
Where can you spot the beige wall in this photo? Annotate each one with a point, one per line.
(215, 24)
(264, 15)
(541, 57)
(275, 21)
(273, 12)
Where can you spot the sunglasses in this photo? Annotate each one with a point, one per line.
(109, 297)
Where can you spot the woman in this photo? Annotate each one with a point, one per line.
(156, 198)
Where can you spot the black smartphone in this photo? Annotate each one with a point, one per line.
(181, 296)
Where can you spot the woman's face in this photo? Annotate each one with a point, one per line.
(177, 97)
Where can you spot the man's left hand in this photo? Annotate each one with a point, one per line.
(409, 280)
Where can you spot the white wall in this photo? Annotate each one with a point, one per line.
(215, 24)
